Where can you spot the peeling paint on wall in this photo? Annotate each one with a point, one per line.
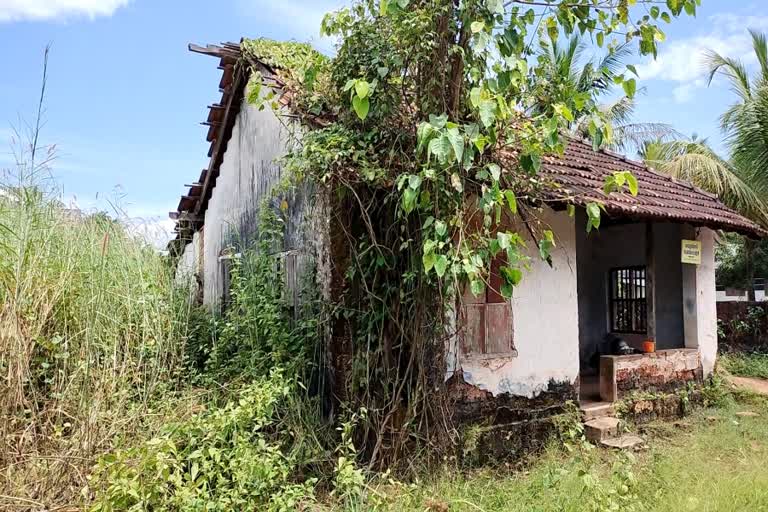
(546, 339)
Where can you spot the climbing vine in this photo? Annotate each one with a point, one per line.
(430, 126)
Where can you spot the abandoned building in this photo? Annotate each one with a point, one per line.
(574, 330)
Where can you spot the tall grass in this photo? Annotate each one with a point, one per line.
(91, 327)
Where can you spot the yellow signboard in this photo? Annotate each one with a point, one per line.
(691, 252)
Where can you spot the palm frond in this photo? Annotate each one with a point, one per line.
(613, 62)
(696, 163)
(631, 136)
(733, 69)
(760, 46)
(747, 137)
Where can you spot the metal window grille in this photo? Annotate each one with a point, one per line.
(629, 308)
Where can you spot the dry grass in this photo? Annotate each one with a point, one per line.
(91, 330)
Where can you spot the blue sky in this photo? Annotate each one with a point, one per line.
(125, 97)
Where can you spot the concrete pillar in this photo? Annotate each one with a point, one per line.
(699, 306)
(650, 282)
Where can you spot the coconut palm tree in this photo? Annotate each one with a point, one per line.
(745, 123)
(742, 180)
(694, 161)
(571, 79)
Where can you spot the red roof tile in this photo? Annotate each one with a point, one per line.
(579, 175)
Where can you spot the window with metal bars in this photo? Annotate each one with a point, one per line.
(629, 309)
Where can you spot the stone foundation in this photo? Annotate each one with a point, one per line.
(506, 443)
(504, 428)
(472, 405)
(644, 409)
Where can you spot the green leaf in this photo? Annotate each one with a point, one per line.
(423, 134)
(654, 12)
(495, 6)
(630, 86)
(505, 240)
(633, 69)
(414, 181)
(438, 121)
(546, 245)
(495, 171)
(511, 200)
(361, 107)
(475, 96)
(409, 199)
(552, 28)
(477, 26)
(571, 209)
(507, 290)
(531, 163)
(441, 264)
(600, 39)
(477, 287)
(457, 143)
(429, 261)
(362, 88)
(564, 111)
(593, 216)
(632, 183)
(487, 112)
(441, 228)
(441, 148)
(512, 276)
(665, 16)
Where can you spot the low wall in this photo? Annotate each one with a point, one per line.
(645, 409)
(662, 371)
(742, 325)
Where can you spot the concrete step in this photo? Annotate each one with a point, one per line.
(625, 442)
(600, 429)
(594, 410)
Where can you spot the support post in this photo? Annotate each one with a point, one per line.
(650, 282)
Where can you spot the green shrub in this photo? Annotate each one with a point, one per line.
(233, 457)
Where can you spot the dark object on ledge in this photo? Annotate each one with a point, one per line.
(612, 345)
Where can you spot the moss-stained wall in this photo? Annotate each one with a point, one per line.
(545, 322)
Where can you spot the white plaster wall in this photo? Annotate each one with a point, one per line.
(248, 172)
(706, 305)
(546, 323)
(699, 300)
(188, 261)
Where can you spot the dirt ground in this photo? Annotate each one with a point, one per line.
(759, 386)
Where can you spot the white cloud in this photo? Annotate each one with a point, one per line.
(17, 10)
(301, 18)
(157, 231)
(681, 60)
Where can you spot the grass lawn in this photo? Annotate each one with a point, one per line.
(746, 364)
(713, 460)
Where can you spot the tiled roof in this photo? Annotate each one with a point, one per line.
(579, 175)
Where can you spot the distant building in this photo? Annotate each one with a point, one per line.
(727, 294)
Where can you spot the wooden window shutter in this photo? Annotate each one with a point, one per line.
(487, 324)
